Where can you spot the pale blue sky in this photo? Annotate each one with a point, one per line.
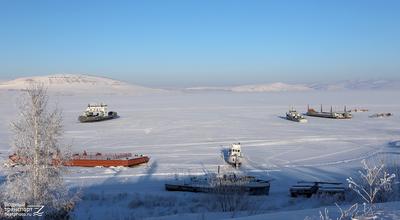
(216, 42)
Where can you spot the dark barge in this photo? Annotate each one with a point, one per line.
(230, 184)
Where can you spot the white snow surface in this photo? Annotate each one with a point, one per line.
(185, 133)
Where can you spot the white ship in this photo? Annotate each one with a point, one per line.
(293, 115)
(235, 155)
(97, 112)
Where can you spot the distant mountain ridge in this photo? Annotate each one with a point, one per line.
(379, 84)
(285, 87)
(81, 83)
(78, 83)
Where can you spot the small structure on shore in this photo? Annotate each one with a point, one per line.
(359, 110)
(381, 115)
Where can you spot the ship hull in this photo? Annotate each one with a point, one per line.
(107, 163)
(322, 115)
(256, 190)
(301, 120)
(327, 115)
(84, 119)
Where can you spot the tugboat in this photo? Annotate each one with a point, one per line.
(235, 155)
(97, 112)
(335, 115)
(293, 115)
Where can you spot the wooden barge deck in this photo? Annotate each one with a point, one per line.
(94, 160)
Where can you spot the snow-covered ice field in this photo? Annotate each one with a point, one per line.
(184, 132)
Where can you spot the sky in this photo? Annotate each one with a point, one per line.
(216, 42)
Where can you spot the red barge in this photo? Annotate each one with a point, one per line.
(106, 160)
(96, 159)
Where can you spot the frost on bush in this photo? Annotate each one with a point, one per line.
(374, 182)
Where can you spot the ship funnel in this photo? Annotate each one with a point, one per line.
(321, 107)
(331, 109)
(345, 110)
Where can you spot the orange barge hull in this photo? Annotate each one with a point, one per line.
(107, 163)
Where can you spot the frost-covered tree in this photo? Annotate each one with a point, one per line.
(36, 141)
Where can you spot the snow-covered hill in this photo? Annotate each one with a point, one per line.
(285, 87)
(77, 83)
(272, 87)
(358, 85)
(269, 87)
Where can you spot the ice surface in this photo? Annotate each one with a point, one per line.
(185, 133)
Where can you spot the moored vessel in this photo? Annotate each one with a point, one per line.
(293, 115)
(97, 112)
(89, 160)
(331, 114)
(221, 184)
(106, 160)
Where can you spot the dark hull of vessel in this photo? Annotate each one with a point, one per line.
(288, 117)
(84, 119)
(252, 190)
(329, 115)
(321, 115)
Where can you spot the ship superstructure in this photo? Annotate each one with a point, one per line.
(235, 155)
